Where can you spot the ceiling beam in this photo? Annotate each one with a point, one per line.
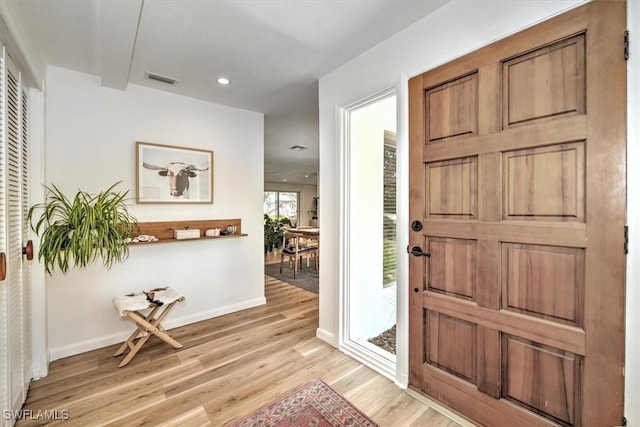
(119, 21)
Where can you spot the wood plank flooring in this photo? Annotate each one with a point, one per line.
(229, 367)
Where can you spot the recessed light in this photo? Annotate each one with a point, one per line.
(306, 176)
(284, 180)
(223, 81)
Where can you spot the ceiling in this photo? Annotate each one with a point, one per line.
(273, 51)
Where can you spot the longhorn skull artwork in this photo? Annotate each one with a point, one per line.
(178, 173)
(189, 172)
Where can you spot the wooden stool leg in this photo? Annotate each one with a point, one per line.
(153, 328)
(146, 325)
(134, 335)
(134, 350)
(161, 332)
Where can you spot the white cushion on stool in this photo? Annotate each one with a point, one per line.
(135, 302)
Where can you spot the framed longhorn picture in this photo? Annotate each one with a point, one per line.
(170, 174)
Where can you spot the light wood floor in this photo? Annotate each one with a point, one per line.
(229, 367)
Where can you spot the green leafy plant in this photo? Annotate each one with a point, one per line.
(314, 208)
(274, 231)
(74, 233)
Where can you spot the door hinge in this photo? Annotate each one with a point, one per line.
(626, 45)
(626, 239)
(624, 421)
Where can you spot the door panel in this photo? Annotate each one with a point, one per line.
(452, 189)
(542, 378)
(544, 184)
(553, 76)
(451, 341)
(517, 155)
(452, 109)
(456, 275)
(544, 281)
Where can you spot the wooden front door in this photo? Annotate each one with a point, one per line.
(517, 174)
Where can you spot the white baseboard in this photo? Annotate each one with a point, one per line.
(327, 336)
(118, 337)
(402, 380)
(86, 345)
(204, 315)
(40, 367)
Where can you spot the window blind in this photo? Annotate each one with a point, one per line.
(389, 263)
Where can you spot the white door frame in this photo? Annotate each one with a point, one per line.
(377, 360)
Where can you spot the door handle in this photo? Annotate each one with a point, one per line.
(3, 266)
(28, 250)
(417, 251)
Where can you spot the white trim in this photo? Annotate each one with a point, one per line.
(371, 358)
(92, 344)
(326, 336)
(39, 330)
(344, 198)
(402, 235)
(632, 346)
(209, 314)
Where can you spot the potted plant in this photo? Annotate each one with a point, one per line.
(74, 233)
(273, 231)
(314, 212)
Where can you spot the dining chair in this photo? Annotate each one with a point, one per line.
(296, 246)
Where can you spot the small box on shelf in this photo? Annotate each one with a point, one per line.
(190, 233)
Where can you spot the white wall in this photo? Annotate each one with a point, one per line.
(90, 144)
(457, 28)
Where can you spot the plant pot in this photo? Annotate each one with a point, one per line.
(313, 222)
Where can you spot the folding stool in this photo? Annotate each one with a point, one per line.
(130, 305)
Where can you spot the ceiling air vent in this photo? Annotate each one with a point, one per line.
(298, 148)
(161, 78)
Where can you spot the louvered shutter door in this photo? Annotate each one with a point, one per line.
(14, 238)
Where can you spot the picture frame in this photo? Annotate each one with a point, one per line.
(172, 174)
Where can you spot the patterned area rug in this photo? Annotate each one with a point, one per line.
(316, 405)
(307, 278)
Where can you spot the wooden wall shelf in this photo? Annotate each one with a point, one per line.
(163, 230)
